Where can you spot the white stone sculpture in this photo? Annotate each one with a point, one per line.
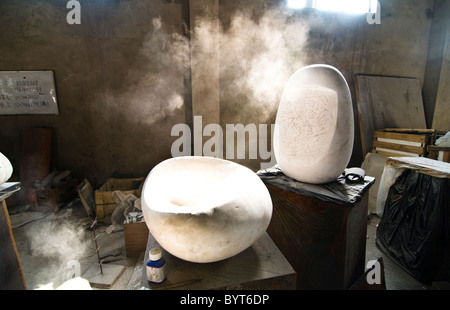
(314, 127)
(204, 209)
(6, 169)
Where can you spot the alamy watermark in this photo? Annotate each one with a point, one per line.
(74, 15)
(374, 274)
(374, 17)
(74, 268)
(234, 136)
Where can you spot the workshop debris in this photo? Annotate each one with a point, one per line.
(441, 149)
(53, 191)
(444, 141)
(126, 204)
(104, 278)
(34, 159)
(101, 275)
(86, 195)
(105, 204)
(97, 248)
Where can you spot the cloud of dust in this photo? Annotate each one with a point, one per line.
(57, 240)
(256, 58)
(154, 84)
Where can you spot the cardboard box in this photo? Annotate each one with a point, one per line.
(104, 202)
(136, 237)
(52, 199)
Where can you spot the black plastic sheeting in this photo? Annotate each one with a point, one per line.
(414, 230)
(338, 192)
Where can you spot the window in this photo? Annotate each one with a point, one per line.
(344, 6)
(296, 4)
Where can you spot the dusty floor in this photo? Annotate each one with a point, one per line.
(59, 246)
(55, 247)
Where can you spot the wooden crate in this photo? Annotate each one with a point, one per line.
(136, 237)
(402, 142)
(104, 202)
(52, 199)
(441, 153)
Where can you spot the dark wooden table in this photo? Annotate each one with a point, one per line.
(260, 267)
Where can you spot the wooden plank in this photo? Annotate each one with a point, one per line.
(35, 158)
(424, 165)
(387, 102)
(441, 118)
(86, 195)
(411, 130)
(399, 147)
(439, 148)
(11, 274)
(106, 279)
(441, 153)
(99, 206)
(392, 154)
(400, 136)
(366, 123)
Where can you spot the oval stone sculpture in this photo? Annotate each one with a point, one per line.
(204, 209)
(314, 127)
(6, 169)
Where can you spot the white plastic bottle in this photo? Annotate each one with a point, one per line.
(156, 266)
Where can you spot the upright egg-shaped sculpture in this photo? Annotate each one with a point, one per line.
(314, 127)
(6, 169)
(204, 209)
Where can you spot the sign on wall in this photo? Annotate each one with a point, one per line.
(27, 92)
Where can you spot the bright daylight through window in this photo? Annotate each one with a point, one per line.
(344, 6)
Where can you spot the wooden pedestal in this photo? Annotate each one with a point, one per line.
(321, 230)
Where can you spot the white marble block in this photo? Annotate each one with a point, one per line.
(314, 127)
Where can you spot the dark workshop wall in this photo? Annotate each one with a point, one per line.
(119, 93)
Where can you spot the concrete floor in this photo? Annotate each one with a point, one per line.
(396, 277)
(52, 246)
(56, 247)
